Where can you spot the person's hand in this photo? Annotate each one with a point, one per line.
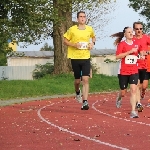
(133, 50)
(145, 52)
(142, 56)
(77, 45)
(90, 46)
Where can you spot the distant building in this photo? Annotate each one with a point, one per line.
(99, 56)
(30, 58)
(22, 63)
(105, 61)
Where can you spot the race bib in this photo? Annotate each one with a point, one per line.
(131, 59)
(84, 45)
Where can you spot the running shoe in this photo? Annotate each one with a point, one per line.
(133, 114)
(118, 102)
(79, 97)
(143, 94)
(85, 106)
(139, 107)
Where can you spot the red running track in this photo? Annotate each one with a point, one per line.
(59, 124)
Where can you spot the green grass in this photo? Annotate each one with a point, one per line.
(52, 85)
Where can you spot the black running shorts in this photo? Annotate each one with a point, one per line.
(79, 65)
(147, 76)
(142, 73)
(124, 80)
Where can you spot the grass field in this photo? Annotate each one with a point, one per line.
(52, 85)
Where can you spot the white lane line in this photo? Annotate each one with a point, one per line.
(109, 115)
(74, 133)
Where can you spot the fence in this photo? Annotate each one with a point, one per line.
(25, 72)
(16, 72)
(110, 69)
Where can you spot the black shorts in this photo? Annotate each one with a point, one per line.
(124, 80)
(142, 73)
(79, 65)
(147, 76)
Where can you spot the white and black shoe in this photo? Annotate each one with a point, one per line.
(85, 106)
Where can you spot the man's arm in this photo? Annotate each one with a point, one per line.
(68, 43)
(93, 40)
(91, 45)
(68, 37)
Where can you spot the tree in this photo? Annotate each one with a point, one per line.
(24, 21)
(146, 27)
(3, 36)
(3, 46)
(32, 21)
(98, 15)
(64, 9)
(143, 7)
(46, 47)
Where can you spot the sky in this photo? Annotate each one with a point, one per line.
(123, 16)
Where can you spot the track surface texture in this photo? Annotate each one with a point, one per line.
(60, 124)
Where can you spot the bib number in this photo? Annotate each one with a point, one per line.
(84, 45)
(131, 59)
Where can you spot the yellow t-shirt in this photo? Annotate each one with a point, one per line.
(75, 35)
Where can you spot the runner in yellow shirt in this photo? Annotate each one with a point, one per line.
(80, 39)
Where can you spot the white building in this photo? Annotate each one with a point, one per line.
(22, 63)
(99, 56)
(30, 58)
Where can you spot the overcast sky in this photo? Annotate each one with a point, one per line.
(123, 16)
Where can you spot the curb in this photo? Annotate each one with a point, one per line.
(23, 100)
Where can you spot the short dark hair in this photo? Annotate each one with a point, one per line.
(78, 13)
(138, 22)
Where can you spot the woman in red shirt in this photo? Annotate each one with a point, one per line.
(127, 52)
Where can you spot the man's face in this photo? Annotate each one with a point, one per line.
(138, 29)
(82, 18)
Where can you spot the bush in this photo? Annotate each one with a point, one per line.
(93, 66)
(110, 61)
(42, 70)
